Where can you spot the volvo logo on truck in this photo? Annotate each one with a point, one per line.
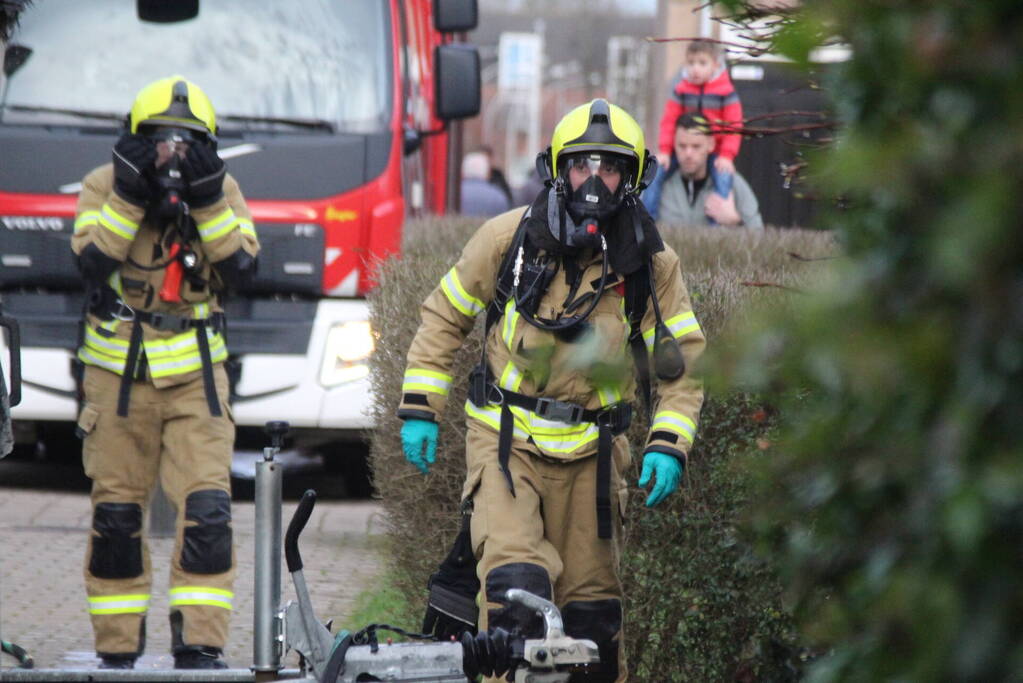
(40, 223)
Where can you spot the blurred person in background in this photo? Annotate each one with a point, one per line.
(160, 235)
(480, 197)
(496, 177)
(573, 289)
(532, 186)
(687, 197)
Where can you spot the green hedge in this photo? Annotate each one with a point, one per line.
(894, 510)
(699, 605)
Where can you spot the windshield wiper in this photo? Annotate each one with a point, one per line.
(81, 113)
(313, 124)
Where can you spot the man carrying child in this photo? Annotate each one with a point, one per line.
(703, 88)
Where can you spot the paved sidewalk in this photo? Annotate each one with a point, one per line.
(42, 592)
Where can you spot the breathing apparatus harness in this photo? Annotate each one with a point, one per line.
(526, 271)
(181, 262)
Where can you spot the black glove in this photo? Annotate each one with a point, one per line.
(203, 172)
(134, 156)
(451, 608)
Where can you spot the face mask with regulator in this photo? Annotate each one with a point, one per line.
(182, 261)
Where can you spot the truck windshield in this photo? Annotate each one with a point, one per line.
(262, 63)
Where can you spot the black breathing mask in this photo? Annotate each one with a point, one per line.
(571, 232)
(576, 216)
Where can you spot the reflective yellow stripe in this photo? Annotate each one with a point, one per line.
(422, 379)
(182, 365)
(91, 357)
(112, 345)
(675, 422)
(201, 595)
(511, 378)
(511, 319)
(548, 435)
(219, 226)
(167, 357)
(609, 395)
(86, 218)
(246, 227)
(180, 344)
(491, 415)
(115, 282)
(543, 427)
(466, 303)
(117, 224)
(184, 357)
(566, 445)
(134, 603)
(680, 325)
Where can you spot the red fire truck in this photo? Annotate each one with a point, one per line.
(333, 116)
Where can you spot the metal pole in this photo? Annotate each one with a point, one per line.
(266, 644)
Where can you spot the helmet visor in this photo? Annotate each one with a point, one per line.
(613, 169)
(183, 137)
(603, 165)
(171, 141)
(596, 163)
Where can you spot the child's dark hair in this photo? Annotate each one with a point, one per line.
(706, 47)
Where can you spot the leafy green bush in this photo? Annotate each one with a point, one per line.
(699, 605)
(894, 503)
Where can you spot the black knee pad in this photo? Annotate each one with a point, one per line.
(206, 548)
(514, 618)
(599, 621)
(116, 550)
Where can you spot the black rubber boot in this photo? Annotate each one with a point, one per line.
(199, 657)
(117, 661)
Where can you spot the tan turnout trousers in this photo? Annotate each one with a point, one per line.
(168, 433)
(544, 539)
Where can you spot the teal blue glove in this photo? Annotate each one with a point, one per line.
(415, 434)
(666, 469)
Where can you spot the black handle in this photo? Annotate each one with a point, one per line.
(277, 430)
(298, 522)
(14, 348)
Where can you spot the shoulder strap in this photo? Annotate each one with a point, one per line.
(637, 292)
(506, 276)
(479, 377)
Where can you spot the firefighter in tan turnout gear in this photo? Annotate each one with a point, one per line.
(160, 234)
(581, 296)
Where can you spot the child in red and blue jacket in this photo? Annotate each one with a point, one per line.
(704, 88)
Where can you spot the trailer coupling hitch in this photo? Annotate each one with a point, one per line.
(336, 659)
(551, 659)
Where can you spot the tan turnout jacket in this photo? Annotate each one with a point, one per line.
(594, 370)
(119, 230)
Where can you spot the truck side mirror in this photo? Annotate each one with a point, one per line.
(455, 16)
(456, 77)
(14, 57)
(166, 11)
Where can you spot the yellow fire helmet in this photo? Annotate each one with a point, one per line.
(176, 102)
(599, 126)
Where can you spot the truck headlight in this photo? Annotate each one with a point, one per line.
(347, 351)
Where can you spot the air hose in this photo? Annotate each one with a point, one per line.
(19, 653)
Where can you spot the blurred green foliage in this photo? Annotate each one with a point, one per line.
(700, 606)
(893, 503)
